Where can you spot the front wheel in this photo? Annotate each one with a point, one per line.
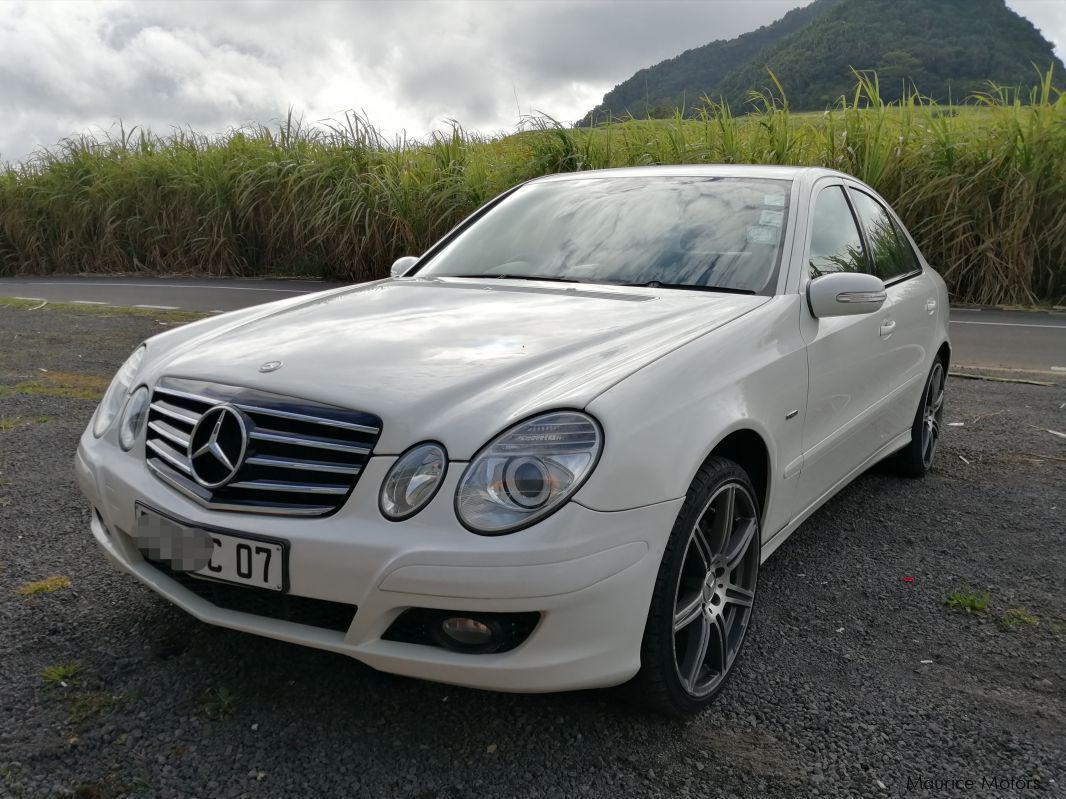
(916, 459)
(704, 593)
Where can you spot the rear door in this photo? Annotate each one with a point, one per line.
(847, 361)
(909, 314)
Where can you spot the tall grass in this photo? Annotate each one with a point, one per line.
(982, 187)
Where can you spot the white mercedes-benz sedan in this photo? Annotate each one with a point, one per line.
(548, 454)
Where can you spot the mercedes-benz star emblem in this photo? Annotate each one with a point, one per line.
(270, 366)
(217, 446)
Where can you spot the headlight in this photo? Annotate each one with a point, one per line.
(133, 417)
(528, 472)
(116, 392)
(412, 481)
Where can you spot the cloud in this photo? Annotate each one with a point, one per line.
(69, 67)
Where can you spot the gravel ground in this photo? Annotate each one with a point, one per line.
(854, 682)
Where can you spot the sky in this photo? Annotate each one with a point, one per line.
(68, 66)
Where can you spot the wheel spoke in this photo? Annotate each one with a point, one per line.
(939, 402)
(742, 539)
(684, 616)
(720, 636)
(701, 545)
(698, 654)
(724, 508)
(742, 597)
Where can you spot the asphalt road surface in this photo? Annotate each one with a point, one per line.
(986, 339)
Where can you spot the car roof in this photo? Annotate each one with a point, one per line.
(805, 174)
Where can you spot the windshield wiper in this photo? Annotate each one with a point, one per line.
(658, 284)
(549, 278)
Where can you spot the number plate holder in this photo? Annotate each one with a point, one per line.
(211, 553)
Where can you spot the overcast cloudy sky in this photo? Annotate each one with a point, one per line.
(67, 67)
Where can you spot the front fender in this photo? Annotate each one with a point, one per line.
(662, 422)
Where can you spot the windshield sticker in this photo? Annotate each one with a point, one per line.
(761, 234)
(775, 218)
(777, 200)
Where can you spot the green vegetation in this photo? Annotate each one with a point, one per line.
(70, 385)
(948, 48)
(1013, 617)
(11, 422)
(981, 187)
(968, 600)
(90, 704)
(218, 703)
(55, 675)
(45, 586)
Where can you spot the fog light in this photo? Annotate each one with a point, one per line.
(466, 632)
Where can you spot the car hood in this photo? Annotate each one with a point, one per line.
(454, 360)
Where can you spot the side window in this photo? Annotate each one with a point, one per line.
(835, 242)
(891, 253)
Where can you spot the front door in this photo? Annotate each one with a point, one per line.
(910, 310)
(848, 362)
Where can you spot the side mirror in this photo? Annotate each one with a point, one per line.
(401, 265)
(845, 294)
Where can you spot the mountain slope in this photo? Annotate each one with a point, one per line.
(684, 79)
(947, 49)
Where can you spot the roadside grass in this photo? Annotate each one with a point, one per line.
(967, 600)
(60, 676)
(8, 423)
(981, 185)
(170, 317)
(1013, 617)
(218, 703)
(90, 704)
(70, 385)
(45, 586)
(65, 682)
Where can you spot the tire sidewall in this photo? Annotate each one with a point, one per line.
(657, 654)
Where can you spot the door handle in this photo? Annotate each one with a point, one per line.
(887, 327)
(930, 305)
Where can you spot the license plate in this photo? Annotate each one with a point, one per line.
(212, 554)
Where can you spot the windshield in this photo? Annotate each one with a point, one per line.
(709, 233)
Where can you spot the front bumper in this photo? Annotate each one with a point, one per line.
(589, 574)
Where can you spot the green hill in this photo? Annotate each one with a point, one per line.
(947, 49)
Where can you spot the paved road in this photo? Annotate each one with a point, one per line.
(1001, 340)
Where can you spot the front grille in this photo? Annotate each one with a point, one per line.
(302, 458)
(261, 602)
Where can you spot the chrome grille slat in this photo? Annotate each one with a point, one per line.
(173, 480)
(170, 455)
(294, 488)
(302, 417)
(298, 463)
(185, 395)
(299, 441)
(306, 466)
(174, 412)
(171, 433)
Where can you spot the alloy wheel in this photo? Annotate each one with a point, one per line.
(932, 411)
(716, 589)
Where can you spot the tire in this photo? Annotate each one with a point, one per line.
(704, 594)
(916, 459)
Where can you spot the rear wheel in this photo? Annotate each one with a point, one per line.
(916, 459)
(704, 594)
